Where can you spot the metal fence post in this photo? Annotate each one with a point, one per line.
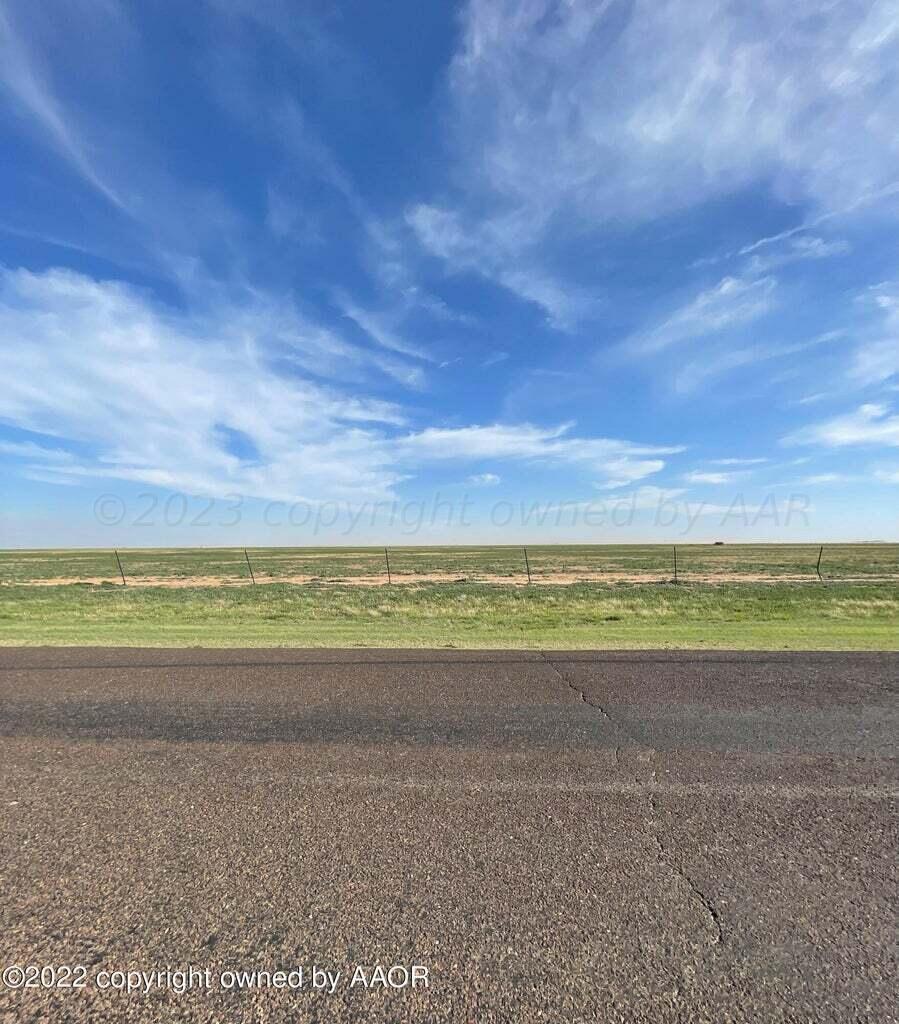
(818, 566)
(121, 570)
(250, 567)
(387, 560)
(675, 563)
(527, 564)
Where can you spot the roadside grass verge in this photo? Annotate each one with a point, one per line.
(792, 616)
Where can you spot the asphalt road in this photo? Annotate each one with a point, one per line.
(564, 837)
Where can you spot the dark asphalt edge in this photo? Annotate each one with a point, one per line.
(13, 659)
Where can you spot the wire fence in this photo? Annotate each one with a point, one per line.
(396, 566)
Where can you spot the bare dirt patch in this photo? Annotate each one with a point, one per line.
(138, 581)
(407, 579)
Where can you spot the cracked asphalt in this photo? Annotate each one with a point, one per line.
(557, 837)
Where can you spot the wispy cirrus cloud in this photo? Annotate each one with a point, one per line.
(177, 399)
(498, 251)
(877, 354)
(732, 302)
(22, 75)
(877, 361)
(483, 480)
(869, 424)
(822, 479)
(622, 96)
(613, 462)
(149, 391)
(380, 327)
(626, 470)
(336, 295)
(155, 222)
(619, 97)
(494, 358)
(864, 199)
(30, 451)
(862, 354)
(797, 249)
(720, 359)
(701, 476)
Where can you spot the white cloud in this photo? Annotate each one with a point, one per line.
(704, 477)
(870, 424)
(153, 395)
(496, 251)
(615, 461)
(823, 478)
(385, 247)
(673, 505)
(627, 470)
(641, 108)
(496, 357)
(380, 328)
(415, 297)
(483, 480)
(730, 303)
(32, 451)
(798, 248)
(818, 396)
(148, 391)
(572, 117)
(864, 199)
(27, 84)
(737, 462)
(887, 476)
(715, 360)
(156, 222)
(877, 356)
(809, 247)
(878, 360)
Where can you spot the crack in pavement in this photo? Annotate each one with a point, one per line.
(707, 904)
(577, 690)
(590, 703)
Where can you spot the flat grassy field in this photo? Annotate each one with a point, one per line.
(756, 602)
(637, 563)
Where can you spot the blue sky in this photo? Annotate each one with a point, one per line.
(612, 271)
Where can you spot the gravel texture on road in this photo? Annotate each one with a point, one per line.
(602, 837)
